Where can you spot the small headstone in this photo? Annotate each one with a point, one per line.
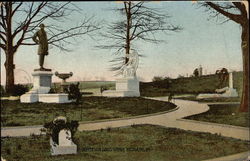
(65, 144)
(64, 138)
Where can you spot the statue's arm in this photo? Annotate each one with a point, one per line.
(34, 38)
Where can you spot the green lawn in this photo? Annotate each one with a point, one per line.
(223, 114)
(135, 143)
(188, 85)
(14, 113)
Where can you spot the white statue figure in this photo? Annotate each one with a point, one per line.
(129, 69)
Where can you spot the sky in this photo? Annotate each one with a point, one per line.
(202, 41)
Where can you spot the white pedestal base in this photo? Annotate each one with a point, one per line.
(29, 98)
(113, 93)
(125, 87)
(229, 92)
(62, 150)
(54, 98)
(45, 98)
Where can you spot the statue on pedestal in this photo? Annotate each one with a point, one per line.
(42, 41)
(129, 69)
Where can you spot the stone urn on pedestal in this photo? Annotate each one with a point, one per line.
(64, 76)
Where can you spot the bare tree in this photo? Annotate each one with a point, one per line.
(19, 20)
(237, 12)
(139, 23)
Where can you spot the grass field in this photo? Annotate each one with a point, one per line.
(188, 85)
(223, 114)
(14, 113)
(135, 143)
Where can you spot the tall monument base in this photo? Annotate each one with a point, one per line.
(41, 82)
(125, 87)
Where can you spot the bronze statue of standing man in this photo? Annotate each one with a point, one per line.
(42, 41)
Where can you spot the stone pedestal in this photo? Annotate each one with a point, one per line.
(125, 87)
(41, 82)
(41, 85)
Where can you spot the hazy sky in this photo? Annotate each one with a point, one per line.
(201, 42)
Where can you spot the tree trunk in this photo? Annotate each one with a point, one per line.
(9, 66)
(245, 56)
(9, 52)
(128, 31)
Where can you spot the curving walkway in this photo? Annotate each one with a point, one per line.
(174, 119)
(186, 108)
(170, 119)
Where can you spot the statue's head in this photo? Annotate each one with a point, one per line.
(42, 26)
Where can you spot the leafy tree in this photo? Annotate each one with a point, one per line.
(196, 72)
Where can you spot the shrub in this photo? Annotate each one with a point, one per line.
(2, 91)
(54, 127)
(54, 90)
(74, 92)
(19, 90)
(157, 78)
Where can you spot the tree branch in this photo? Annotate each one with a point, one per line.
(3, 46)
(25, 27)
(242, 9)
(234, 17)
(2, 38)
(18, 6)
(3, 18)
